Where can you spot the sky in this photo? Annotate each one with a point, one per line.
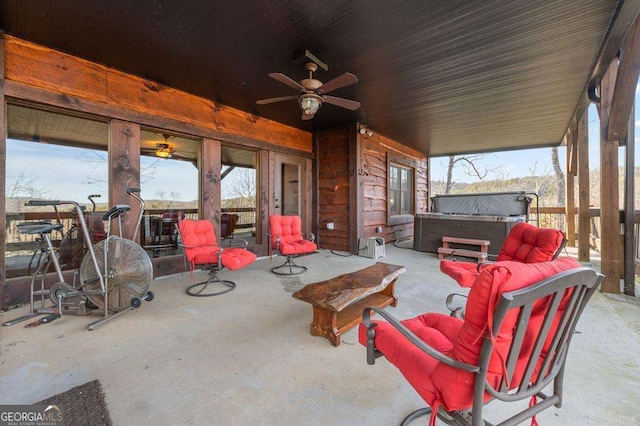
(67, 173)
(520, 163)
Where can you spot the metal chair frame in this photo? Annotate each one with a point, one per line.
(200, 289)
(582, 281)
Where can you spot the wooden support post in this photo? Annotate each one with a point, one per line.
(264, 202)
(356, 190)
(570, 213)
(629, 214)
(209, 167)
(611, 265)
(124, 171)
(582, 140)
(3, 167)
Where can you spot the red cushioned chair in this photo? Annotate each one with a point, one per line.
(200, 249)
(287, 240)
(512, 343)
(525, 243)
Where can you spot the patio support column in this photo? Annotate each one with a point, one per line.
(124, 171)
(570, 212)
(263, 204)
(611, 265)
(584, 220)
(629, 210)
(3, 170)
(209, 168)
(356, 194)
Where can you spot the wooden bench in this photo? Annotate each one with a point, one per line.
(447, 250)
(338, 303)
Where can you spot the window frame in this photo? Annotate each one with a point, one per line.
(400, 162)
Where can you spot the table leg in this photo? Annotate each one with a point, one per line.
(390, 291)
(325, 324)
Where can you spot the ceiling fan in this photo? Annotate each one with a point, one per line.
(313, 93)
(165, 150)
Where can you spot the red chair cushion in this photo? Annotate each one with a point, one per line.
(289, 229)
(201, 248)
(199, 241)
(465, 273)
(437, 382)
(236, 258)
(527, 243)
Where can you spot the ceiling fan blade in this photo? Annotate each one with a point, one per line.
(341, 81)
(272, 100)
(341, 102)
(307, 116)
(286, 80)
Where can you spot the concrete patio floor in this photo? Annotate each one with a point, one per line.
(247, 358)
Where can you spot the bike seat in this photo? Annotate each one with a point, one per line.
(116, 211)
(38, 227)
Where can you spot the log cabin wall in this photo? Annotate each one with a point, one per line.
(376, 151)
(332, 165)
(352, 186)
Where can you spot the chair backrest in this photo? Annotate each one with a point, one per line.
(531, 310)
(288, 228)
(195, 235)
(529, 244)
(227, 224)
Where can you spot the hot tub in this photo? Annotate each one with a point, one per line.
(487, 216)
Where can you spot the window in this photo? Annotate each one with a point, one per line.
(239, 190)
(400, 191)
(51, 156)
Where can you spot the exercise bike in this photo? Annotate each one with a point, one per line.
(114, 276)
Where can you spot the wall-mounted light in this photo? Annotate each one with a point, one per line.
(365, 132)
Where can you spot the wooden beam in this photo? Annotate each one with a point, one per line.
(625, 85)
(28, 96)
(629, 206)
(584, 220)
(209, 168)
(60, 73)
(611, 264)
(570, 204)
(124, 171)
(3, 167)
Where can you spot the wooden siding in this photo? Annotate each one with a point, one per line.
(39, 66)
(375, 151)
(332, 158)
(352, 192)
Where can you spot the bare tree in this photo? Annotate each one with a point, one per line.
(23, 184)
(470, 168)
(240, 186)
(147, 171)
(559, 175)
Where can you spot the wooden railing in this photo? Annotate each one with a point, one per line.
(555, 217)
(17, 242)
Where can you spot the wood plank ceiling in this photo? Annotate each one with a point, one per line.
(442, 77)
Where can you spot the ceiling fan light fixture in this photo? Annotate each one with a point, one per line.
(310, 103)
(163, 150)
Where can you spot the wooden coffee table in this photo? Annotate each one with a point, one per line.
(338, 303)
